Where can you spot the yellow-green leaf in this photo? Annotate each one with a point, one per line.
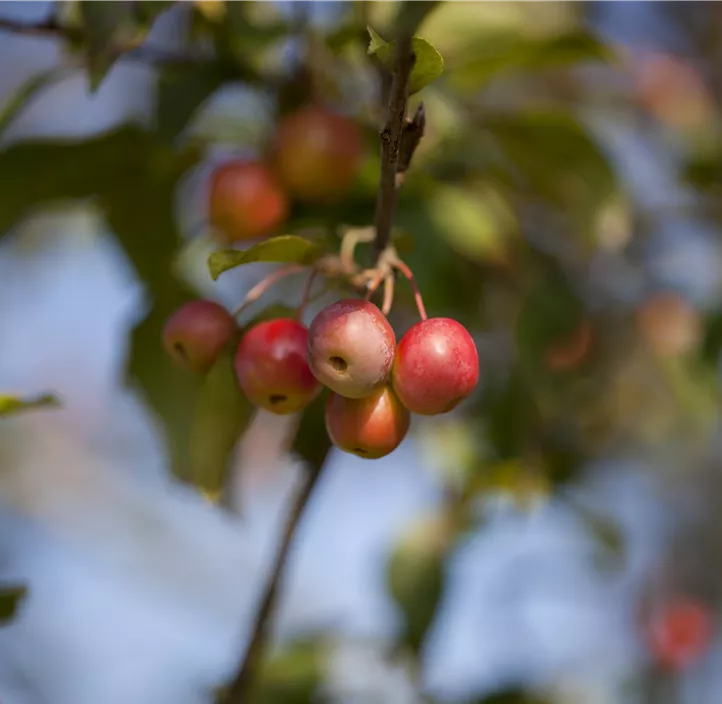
(284, 249)
(429, 64)
(10, 404)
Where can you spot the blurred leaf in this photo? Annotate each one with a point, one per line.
(291, 676)
(480, 226)
(212, 10)
(503, 53)
(181, 91)
(704, 169)
(10, 405)
(429, 64)
(410, 15)
(415, 575)
(221, 414)
(107, 27)
(312, 443)
(283, 249)
(27, 91)
(551, 314)
(512, 695)
(148, 10)
(552, 156)
(11, 598)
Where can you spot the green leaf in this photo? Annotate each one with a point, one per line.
(27, 91)
(415, 577)
(283, 249)
(107, 26)
(502, 54)
(291, 676)
(221, 414)
(11, 597)
(429, 64)
(10, 405)
(553, 157)
(133, 177)
(181, 92)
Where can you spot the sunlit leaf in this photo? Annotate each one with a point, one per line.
(11, 598)
(428, 66)
(284, 249)
(10, 404)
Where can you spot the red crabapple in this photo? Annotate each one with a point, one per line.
(351, 347)
(369, 427)
(271, 366)
(317, 153)
(436, 366)
(195, 334)
(245, 200)
(680, 632)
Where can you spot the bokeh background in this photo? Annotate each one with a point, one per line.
(564, 205)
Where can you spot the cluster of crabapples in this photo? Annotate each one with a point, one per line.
(281, 366)
(313, 156)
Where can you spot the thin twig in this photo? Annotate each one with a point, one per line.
(239, 689)
(306, 295)
(410, 137)
(390, 143)
(264, 284)
(404, 269)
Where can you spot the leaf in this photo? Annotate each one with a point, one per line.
(133, 177)
(107, 26)
(415, 576)
(181, 92)
(11, 405)
(11, 597)
(552, 156)
(291, 676)
(221, 414)
(283, 249)
(148, 10)
(429, 64)
(502, 54)
(27, 91)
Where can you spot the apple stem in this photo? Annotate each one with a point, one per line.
(264, 284)
(305, 297)
(389, 281)
(404, 269)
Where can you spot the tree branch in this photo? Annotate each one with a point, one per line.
(239, 689)
(390, 143)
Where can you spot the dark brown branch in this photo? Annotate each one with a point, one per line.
(239, 689)
(410, 137)
(390, 143)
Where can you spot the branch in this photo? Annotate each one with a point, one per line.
(239, 689)
(390, 143)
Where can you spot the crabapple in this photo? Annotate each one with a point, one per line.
(369, 427)
(245, 200)
(316, 153)
(195, 334)
(436, 366)
(680, 632)
(669, 324)
(351, 347)
(271, 366)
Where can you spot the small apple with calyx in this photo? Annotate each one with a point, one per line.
(245, 200)
(196, 333)
(351, 347)
(370, 427)
(316, 153)
(436, 366)
(271, 366)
